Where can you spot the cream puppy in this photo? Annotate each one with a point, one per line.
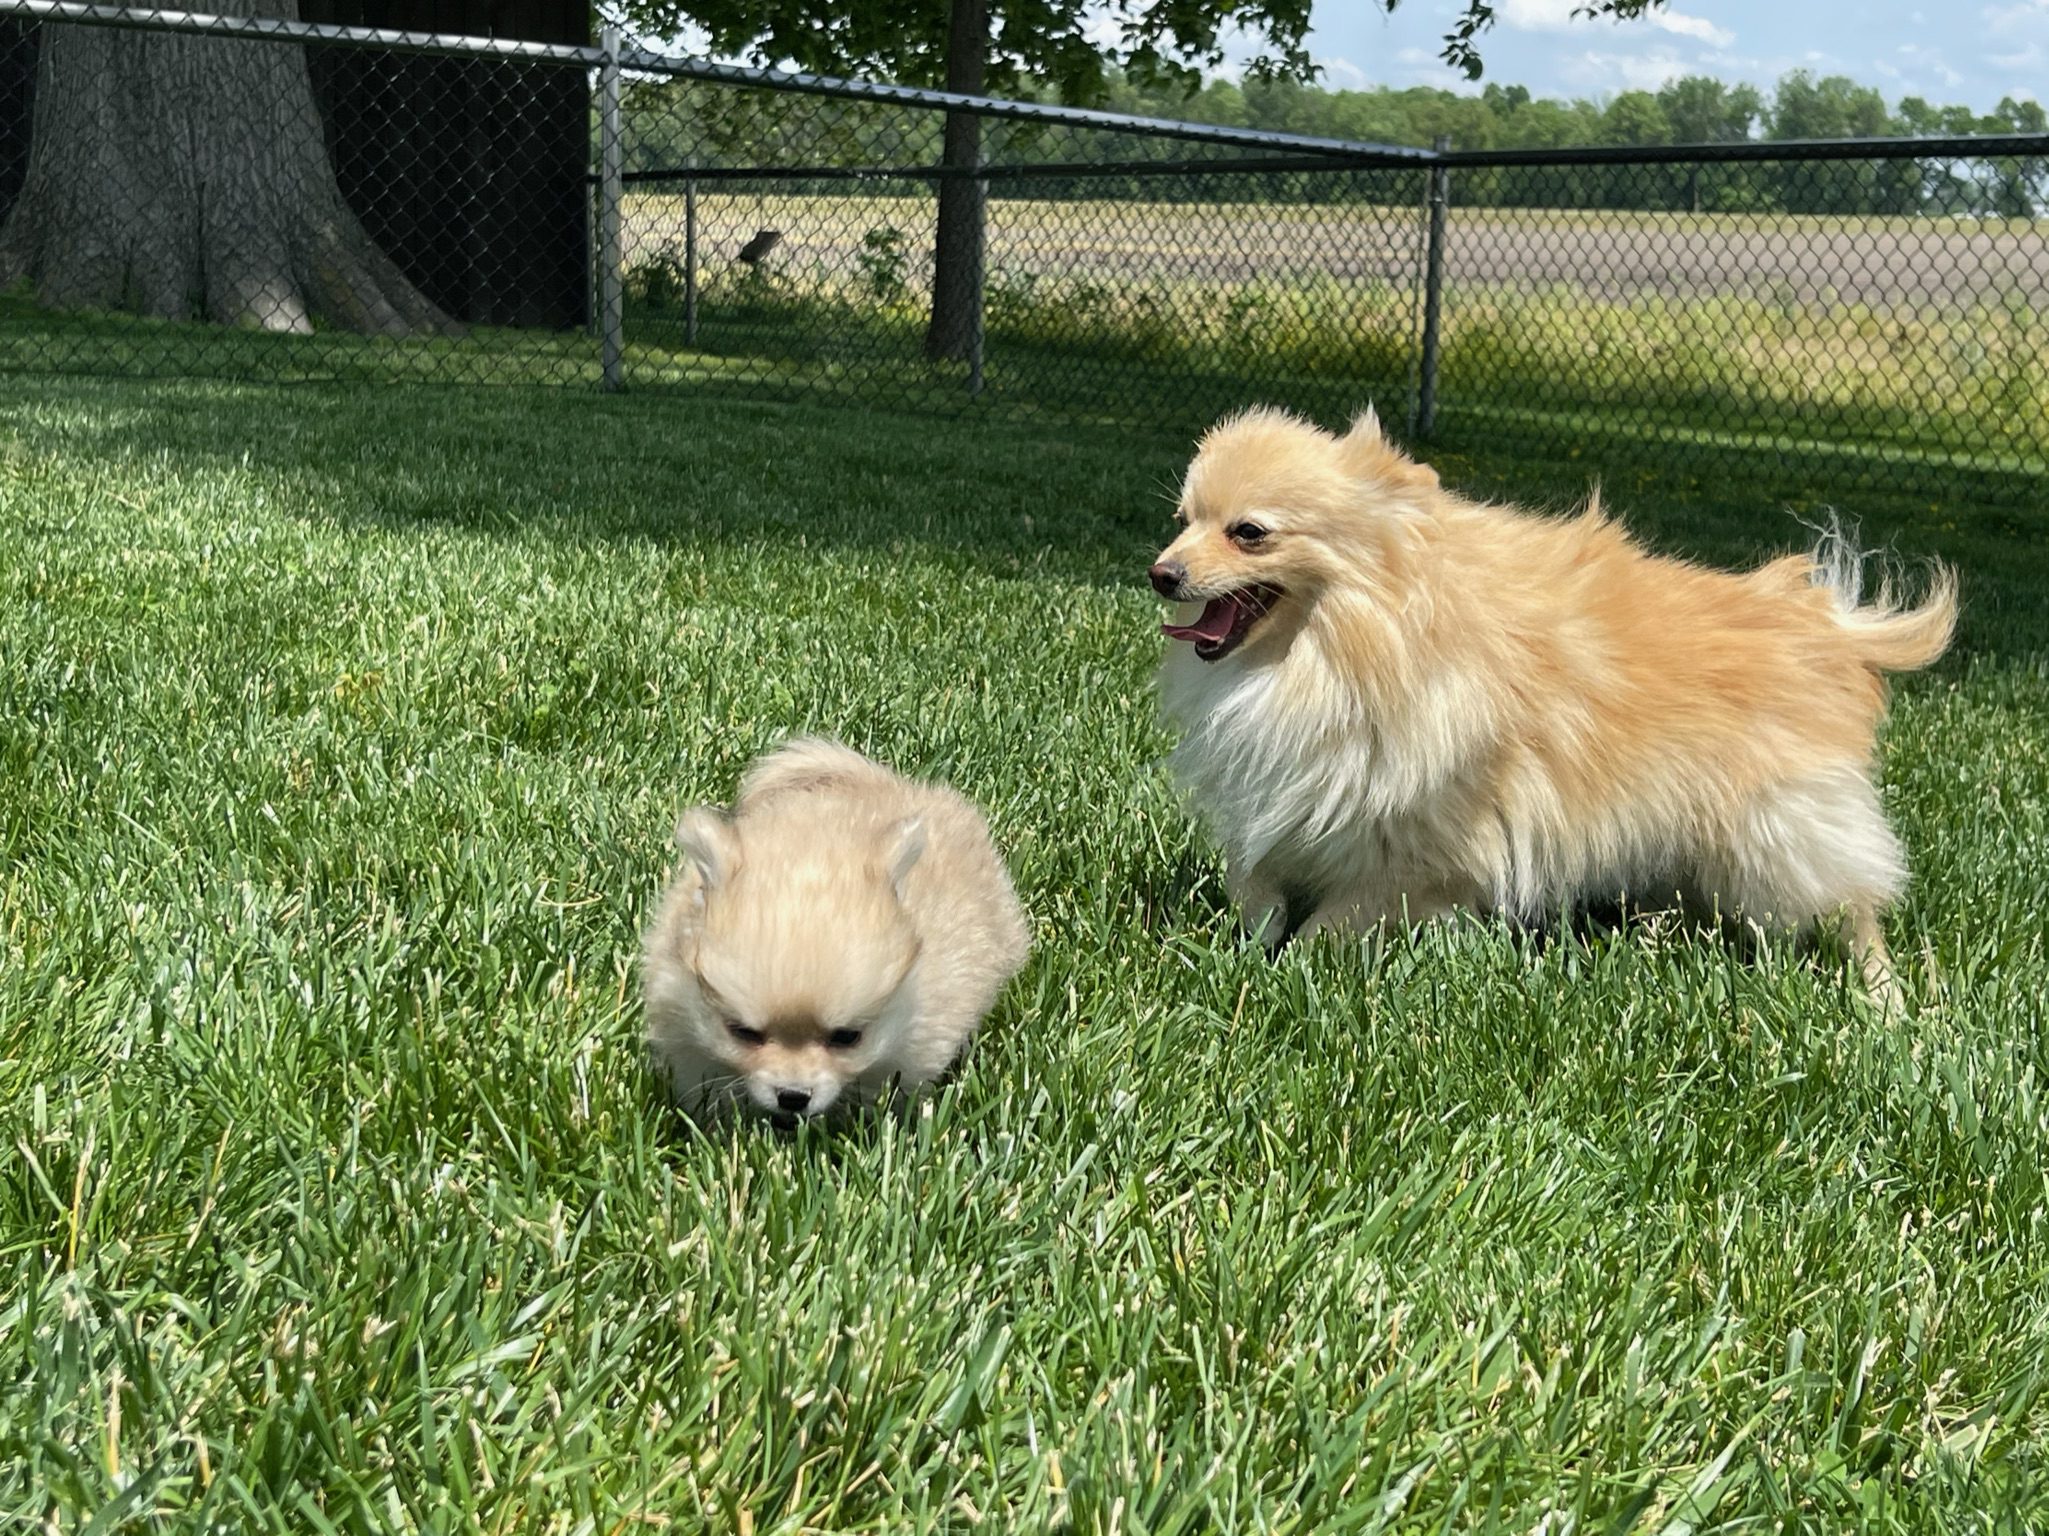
(842, 930)
(1394, 701)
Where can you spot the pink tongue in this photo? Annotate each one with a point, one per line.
(1214, 624)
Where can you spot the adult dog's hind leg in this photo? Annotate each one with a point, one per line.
(1814, 849)
(1866, 939)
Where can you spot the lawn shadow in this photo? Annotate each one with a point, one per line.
(992, 498)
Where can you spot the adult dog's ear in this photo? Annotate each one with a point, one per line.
(1369, 455)
(1365, 431)
(709, 843)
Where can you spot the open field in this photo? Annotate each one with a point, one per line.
(1110, 240)
(341, 731)
(1872, 262)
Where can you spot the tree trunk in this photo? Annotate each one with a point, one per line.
(174, 175)
(957, 250)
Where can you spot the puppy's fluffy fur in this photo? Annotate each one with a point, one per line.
(1397, 701)
(844, 928)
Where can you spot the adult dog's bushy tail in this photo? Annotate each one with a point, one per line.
(1889, 636)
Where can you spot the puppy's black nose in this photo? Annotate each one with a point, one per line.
(1167, 577)
(792, 1100)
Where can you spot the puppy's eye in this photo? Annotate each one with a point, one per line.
(744, 1033)
(843, 1039)
(1247, 533)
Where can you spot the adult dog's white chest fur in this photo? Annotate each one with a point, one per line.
(1304, 775)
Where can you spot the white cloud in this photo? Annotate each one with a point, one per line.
(1423, 66)
(2029, 57)
(1697, 27)
(1604, 72)
(1538, 15)
(690, 42)
(1344, 75)
(1927, 59)
(1558, 15)
(2020, 16)
(1239, 46)
(1103, 30)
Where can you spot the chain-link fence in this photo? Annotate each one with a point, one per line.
(240, 197)
(1140, 289)
(1844, 317)
(233, 196)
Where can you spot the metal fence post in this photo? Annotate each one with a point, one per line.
(611, 189)
(1433, 295)
(690, 262)
(978, 323)
(592, 310)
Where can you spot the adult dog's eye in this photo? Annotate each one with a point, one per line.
(1247, 533)
(746, 1034)
(843, 1039)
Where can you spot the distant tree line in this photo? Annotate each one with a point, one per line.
(675, 124)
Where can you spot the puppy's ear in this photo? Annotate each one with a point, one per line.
(707, 841)
(902, 847)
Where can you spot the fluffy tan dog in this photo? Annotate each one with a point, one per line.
(1395, 701)
(844, 929)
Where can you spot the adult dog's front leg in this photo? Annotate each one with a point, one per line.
(1378, 909)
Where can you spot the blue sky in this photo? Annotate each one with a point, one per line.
(1968, 51)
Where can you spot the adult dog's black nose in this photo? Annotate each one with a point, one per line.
(793, 1100)
(1168, 575)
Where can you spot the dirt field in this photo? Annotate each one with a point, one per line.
(1875, 262)
(1793, 259)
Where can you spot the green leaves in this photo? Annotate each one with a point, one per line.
(1060, 42)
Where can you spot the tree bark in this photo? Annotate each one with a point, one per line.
(174, 175)
(957, 248)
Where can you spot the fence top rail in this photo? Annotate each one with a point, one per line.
(276, 29)
(999, 171)
(1955, 147)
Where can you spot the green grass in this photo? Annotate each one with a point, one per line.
(340, 736)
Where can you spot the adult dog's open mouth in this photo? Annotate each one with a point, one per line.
(1225, 621)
